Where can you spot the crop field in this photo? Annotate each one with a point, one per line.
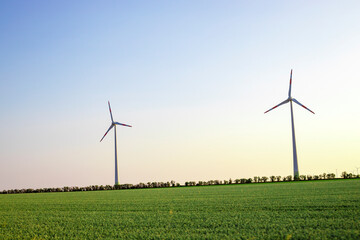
(295, 210)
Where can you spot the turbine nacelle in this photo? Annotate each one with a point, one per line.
(290, 99)
(113, 124)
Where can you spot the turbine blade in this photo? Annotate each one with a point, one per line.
(112, 120)
(296, 101)
(286, 101)
(290, 83)
(112, 125)
(122, 124)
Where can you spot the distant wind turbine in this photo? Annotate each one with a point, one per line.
(113, 125)
(290, 99)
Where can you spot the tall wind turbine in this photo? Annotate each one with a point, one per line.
(113, 125)
(291, 100)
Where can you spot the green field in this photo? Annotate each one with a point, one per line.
(295, 210)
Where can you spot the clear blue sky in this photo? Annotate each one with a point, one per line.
(192, 77)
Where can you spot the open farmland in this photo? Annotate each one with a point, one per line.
(294, 210)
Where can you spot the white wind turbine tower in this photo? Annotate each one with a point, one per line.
(113, 125)
(291, 100)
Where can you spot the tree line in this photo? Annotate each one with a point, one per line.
(255, 179)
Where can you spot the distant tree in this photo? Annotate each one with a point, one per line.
(309, 177)
(302, 177)
(344, 175)
(272, 178)
(278, 178)
(264, 179)
(289, 178)
(256, 179)
(249, 180)
(172, 183)
(126, 186)
(237, 181)
(330, 175)
(243, 180)
(230, 181)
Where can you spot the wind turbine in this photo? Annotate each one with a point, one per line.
(291, 100)
(113, 125)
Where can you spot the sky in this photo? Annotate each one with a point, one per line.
(193, 78)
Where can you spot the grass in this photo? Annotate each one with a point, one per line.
(293, 210)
